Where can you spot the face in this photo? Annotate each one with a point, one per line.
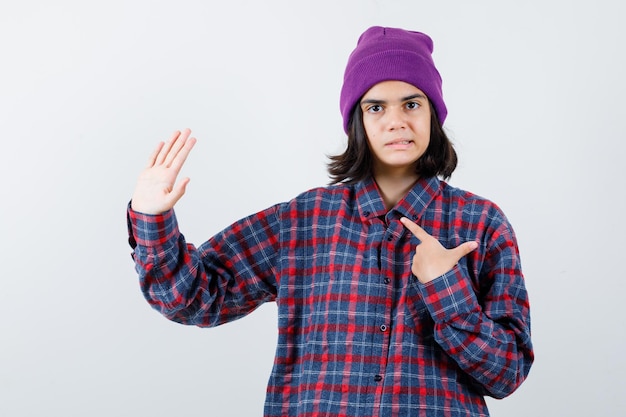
(396, 118)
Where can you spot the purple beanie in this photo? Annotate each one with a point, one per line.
(384, 54)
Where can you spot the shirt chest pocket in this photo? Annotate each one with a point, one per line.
(335, 305)
(343, 280)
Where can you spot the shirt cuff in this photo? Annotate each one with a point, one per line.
(150, 230)
(449, 296)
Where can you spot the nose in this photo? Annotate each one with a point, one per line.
(396, 119)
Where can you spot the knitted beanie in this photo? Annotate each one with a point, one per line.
(384, 54)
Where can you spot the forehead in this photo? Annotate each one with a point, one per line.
(391, 91)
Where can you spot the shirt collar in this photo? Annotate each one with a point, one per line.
(370, 202)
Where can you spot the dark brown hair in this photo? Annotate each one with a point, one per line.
(355, 164)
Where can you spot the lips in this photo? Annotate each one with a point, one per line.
(399, 142)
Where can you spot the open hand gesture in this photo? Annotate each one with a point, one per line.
(156, 191)
(431, 259)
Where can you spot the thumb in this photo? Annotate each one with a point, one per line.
(464, 249)
(178, 191)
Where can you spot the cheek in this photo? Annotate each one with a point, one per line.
(370, 132)
(422, 128)
(367, 127)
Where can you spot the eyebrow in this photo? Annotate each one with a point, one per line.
(407, 98)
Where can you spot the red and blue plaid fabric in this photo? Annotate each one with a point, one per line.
(358, 334)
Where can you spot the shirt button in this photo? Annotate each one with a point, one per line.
(366, 213)
(386, 280)
(378, 378)
(383, 328)
(389, 238)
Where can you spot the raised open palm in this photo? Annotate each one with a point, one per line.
(157, 190)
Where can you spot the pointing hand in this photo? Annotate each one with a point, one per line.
(431, 259)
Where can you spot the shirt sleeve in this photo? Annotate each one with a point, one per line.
(481, 313)
(222, 280)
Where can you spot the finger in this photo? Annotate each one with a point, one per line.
(179, 191)
(153, 156)
(166, 148)
(181, 157)
(417, 231)
(464, 249)
(177, 145)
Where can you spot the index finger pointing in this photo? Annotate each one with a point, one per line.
(417, 231)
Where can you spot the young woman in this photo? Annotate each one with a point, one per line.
(397, 294)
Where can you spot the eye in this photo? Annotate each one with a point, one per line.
(411, 105)
(375, 108)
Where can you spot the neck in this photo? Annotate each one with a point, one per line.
(393, 187)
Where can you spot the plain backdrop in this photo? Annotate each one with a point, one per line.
(536, 99)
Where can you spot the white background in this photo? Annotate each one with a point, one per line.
(535, 92)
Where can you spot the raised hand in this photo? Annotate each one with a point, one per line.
(156, 190)
(431, 259)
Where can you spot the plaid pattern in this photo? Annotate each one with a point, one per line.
(359, 335)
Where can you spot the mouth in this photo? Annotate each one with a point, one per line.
(399, 142)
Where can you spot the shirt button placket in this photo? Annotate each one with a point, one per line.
(386, 271)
